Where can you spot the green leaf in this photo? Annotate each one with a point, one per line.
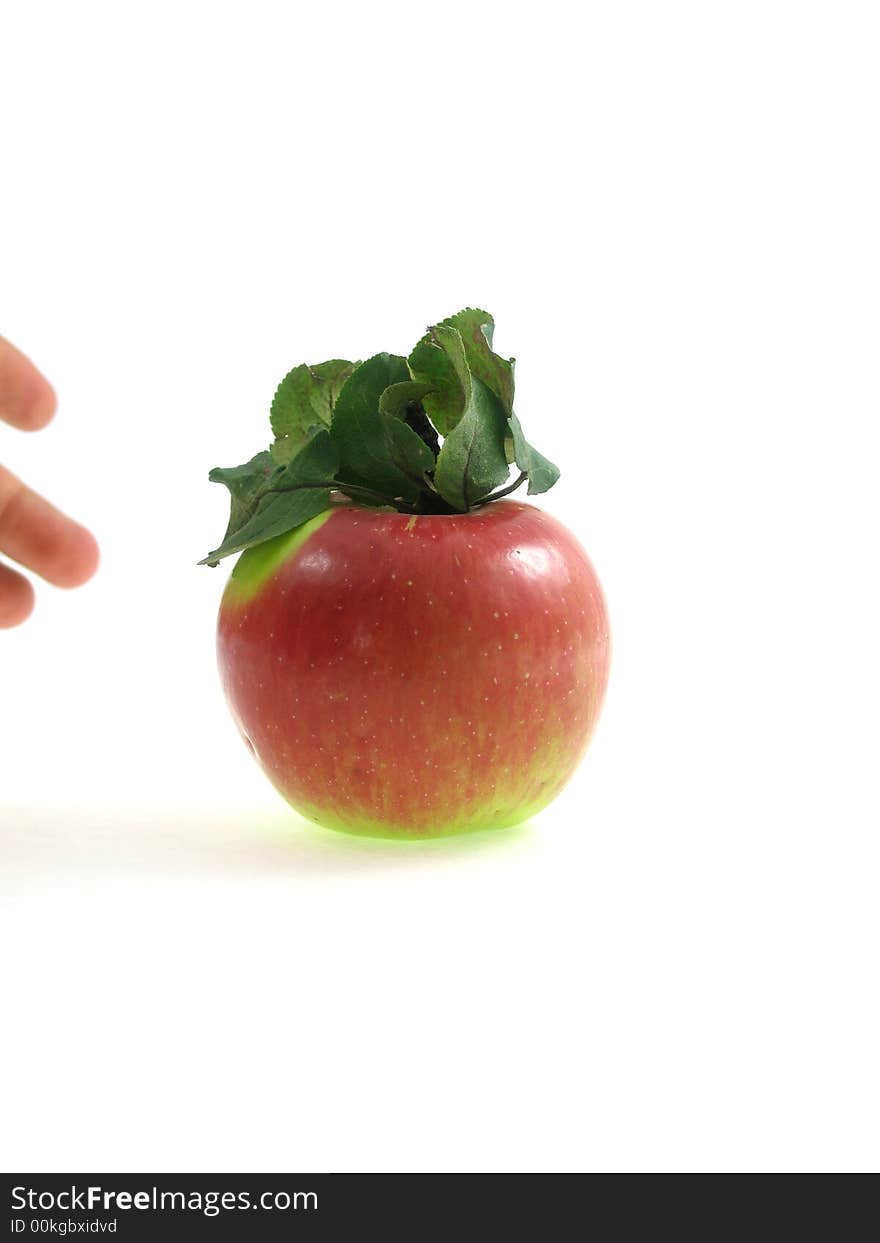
(304, 402)
(397, 397)
(376, 449)
(477, 329)
(286, 448)
(439, 361)
(278, 511)
(472, 461)
(245, 484)
(541, 471)
(319, 459)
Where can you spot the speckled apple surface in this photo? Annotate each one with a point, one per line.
(415, 677)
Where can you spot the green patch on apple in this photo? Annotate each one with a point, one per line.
(257, 565)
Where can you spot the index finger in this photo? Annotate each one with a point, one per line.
(27, 399)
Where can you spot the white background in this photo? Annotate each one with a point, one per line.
(672, 211)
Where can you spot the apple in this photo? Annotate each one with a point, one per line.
(407, 652)
(416, 676)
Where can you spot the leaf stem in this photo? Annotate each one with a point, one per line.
(350, 489)
(355, 490)
(496, 496)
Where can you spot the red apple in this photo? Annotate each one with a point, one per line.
(416, 676)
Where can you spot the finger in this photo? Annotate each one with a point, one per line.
(37, 535)
(16, 598)
(27, 399)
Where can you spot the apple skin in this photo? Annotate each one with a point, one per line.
(416, 677)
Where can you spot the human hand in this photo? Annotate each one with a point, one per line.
(33, 532)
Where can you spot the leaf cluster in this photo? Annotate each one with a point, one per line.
(434, 432)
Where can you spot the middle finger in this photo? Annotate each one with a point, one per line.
(38, 535)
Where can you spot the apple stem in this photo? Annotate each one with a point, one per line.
(416, 418)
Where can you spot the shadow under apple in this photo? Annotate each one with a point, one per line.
(50, 843)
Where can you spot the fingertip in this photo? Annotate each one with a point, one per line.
(16, 598)
(42, 408)
(81, 559)
(27, 399)
(91, 555)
